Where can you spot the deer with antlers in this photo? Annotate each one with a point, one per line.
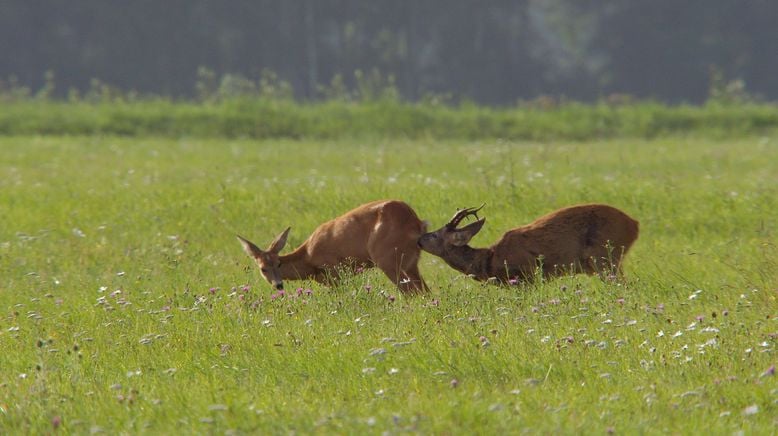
(588, 238)
(381, 233)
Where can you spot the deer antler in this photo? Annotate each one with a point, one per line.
(460, 215)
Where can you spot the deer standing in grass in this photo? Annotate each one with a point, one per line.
(588, 238)
(384, 234)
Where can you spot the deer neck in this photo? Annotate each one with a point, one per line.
(295, 265)
(471, 261)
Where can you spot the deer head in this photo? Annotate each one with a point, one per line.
(444, 239)
(268, 261)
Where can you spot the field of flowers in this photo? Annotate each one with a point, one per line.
(128, 306)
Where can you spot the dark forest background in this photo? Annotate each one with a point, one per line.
(488, 51)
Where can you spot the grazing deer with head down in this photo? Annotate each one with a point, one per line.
(381, 233)
(588, 238)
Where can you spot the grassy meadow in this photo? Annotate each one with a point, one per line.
(128, 306)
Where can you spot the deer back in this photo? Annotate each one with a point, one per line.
(365, 231)
(571, 236)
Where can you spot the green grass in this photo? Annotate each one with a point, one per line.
(260, 118)
(123, 308)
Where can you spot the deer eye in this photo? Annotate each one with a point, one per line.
(264, 270)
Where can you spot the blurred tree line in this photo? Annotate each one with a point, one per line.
(488, 51)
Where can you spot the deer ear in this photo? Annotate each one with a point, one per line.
(249, 247)
(462, 236)
(278, 244)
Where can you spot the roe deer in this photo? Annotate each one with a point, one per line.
(381, 233)
(589, 238)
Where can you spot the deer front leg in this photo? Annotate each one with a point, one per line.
(327, 276)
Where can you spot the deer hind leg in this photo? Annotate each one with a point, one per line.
(402, 269)
(396, 254)
(409, 266)
(417, 283)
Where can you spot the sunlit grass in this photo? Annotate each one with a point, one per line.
(128, 306)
